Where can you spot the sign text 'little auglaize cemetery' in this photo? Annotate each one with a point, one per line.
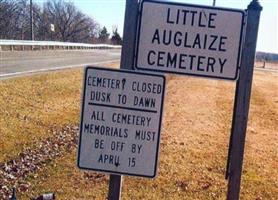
(189, 39)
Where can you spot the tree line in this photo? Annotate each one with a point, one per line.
(55, 20)
(268, 57)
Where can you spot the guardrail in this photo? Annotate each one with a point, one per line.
(12, 44)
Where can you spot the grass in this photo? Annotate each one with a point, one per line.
(32, 106)
(193, 151)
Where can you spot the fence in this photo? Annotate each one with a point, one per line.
(40, 45)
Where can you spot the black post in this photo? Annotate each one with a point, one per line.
(127, 62)
(129, 34)
(13, 195)
(115, 186)
(242, 100)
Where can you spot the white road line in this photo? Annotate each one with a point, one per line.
(54, 68)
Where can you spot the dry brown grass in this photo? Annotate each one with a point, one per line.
(32, 106)
(195, 134)
(267, 65)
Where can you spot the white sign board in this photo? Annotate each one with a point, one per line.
(52, 27)
(120, 122)
(189, 39)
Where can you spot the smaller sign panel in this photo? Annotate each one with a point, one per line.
(120, 122)
(189, 39)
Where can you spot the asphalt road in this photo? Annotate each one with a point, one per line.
(19, 63)
(25, 62)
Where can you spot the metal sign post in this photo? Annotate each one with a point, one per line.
(127, 62)
(242, 101)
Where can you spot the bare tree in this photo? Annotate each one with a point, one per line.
(70, 23)
(15, 19)
(9, 14)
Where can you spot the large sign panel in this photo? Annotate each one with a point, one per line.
(121, 122)
(189, 39)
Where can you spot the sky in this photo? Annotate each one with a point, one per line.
(110, 13)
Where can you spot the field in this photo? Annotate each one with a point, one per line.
(39, 117)
(267, 65)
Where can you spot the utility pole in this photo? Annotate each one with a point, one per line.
(31, 21)
(214, 1)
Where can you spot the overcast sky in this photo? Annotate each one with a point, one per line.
(110, 13)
